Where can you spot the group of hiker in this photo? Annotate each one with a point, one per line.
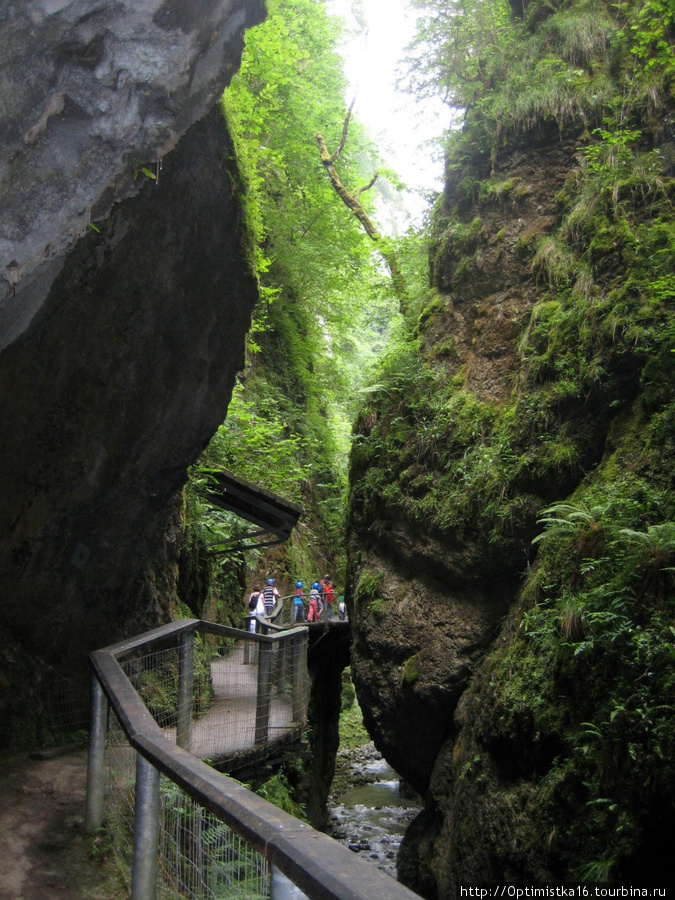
(262, 601)
(321, 596)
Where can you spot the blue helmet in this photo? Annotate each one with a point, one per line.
(270, 580)
(298, 584)
(316, 586)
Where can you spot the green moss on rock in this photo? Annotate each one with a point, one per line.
(411, 670)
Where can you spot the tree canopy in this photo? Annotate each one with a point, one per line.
(325, 305)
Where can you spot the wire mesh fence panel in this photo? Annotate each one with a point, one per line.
(289, 685)
(225, 725)
(201, 858)
(154, 675)
(244, 693)
(120, 790)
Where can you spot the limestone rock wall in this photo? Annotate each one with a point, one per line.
(520, 686)
(428, 596)
(120, 344)
(92, 92)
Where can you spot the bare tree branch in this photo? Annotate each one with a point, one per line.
(351, 201)
(367, 187)
(345, 129)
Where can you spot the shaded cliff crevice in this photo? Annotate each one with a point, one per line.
(328, 656)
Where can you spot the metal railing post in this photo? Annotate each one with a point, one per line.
(299, 670)
(96, 762)
(186, 671)
(251, 626)
(146, 831)
(264, 694)
(282, 665)
(282, 888)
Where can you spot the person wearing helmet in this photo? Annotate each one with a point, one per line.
(271, 595)
(298, 603)
(315, 605)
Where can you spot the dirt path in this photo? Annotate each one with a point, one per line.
(44, 853)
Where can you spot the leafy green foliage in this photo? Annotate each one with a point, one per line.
(595, 662)
(257, 442)
(291, 85)
(322, 291)
(555, 62)
(567, 518)
(278, 791)
(368, 590)
(353, 732)
(452, 44)
(325, 305)
(603, 312)
(209, 849)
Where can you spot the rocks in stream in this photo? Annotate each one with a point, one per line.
(368, 813)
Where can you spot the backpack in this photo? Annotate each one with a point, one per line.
(253, 602)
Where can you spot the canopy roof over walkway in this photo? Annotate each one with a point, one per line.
(273, 516)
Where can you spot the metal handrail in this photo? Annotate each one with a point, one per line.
(316, 863)
(277, 612)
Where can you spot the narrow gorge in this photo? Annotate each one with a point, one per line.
(509, 536)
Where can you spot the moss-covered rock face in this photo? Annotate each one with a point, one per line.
(538, 375)
(564, 761)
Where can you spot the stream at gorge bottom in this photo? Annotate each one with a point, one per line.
(368, 813)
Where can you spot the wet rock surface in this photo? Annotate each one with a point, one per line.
(411, 662)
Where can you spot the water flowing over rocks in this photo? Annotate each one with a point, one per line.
(369, 811)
